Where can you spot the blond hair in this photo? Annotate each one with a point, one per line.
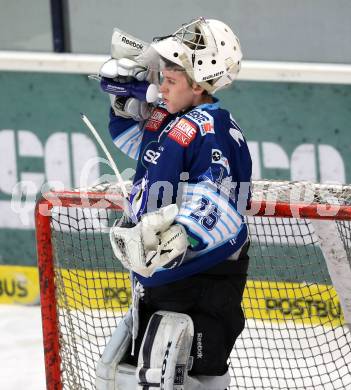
(173, 66)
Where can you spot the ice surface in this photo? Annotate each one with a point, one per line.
(21, 348)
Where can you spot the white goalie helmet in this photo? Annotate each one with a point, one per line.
(207, 49)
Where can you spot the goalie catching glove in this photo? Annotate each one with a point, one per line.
(154, 243)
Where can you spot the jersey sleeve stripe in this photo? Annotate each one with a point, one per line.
(128, 144)
(137, 152)
(225, 208)
(195, 228)
(189, 210)
(131, 132)
(219, 232)
(220, 221)
(231, 220)
(134, 146)
(223, 202)
(132, 135)
(211, 248)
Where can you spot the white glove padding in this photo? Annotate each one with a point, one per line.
(125, 45)
(127, 107)
(152, 243)
(123, 67)
(157, 222)
(169, 253)
(130, 108)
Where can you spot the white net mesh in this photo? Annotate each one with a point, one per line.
(295, 335)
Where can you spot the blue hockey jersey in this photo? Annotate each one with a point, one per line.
(200, 160)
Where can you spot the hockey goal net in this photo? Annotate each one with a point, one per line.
(297, 301)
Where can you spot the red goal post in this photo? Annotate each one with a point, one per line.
(280, 302)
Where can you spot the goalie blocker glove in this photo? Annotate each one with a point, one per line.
(130, 108)
(140, 90)
(124, 80)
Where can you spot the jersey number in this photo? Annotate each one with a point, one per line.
(207, 214)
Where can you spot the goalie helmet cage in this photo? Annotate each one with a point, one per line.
(297, 301)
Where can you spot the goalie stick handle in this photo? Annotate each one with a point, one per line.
(127, 209)
(107, 153)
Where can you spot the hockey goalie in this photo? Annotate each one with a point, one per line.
(186, 241)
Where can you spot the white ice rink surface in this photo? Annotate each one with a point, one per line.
(22, 359)
(21, 350)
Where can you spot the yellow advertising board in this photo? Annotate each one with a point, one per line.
(19, 285)
(308, 304)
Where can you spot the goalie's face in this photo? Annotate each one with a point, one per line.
(178, 94)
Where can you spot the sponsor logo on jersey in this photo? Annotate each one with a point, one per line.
(218, 158)
(183, 133)
(136, 45)
(156, 120)
(151, 156)
(203, 119)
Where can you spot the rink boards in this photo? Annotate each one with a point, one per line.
(305, 303)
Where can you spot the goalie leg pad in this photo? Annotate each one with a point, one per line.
(204, 382)
(110, 374)
(164, 357)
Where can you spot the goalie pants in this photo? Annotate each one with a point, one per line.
(213, 301)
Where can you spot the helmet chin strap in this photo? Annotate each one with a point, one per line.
(187, 65)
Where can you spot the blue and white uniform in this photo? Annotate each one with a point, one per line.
(200, 160)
